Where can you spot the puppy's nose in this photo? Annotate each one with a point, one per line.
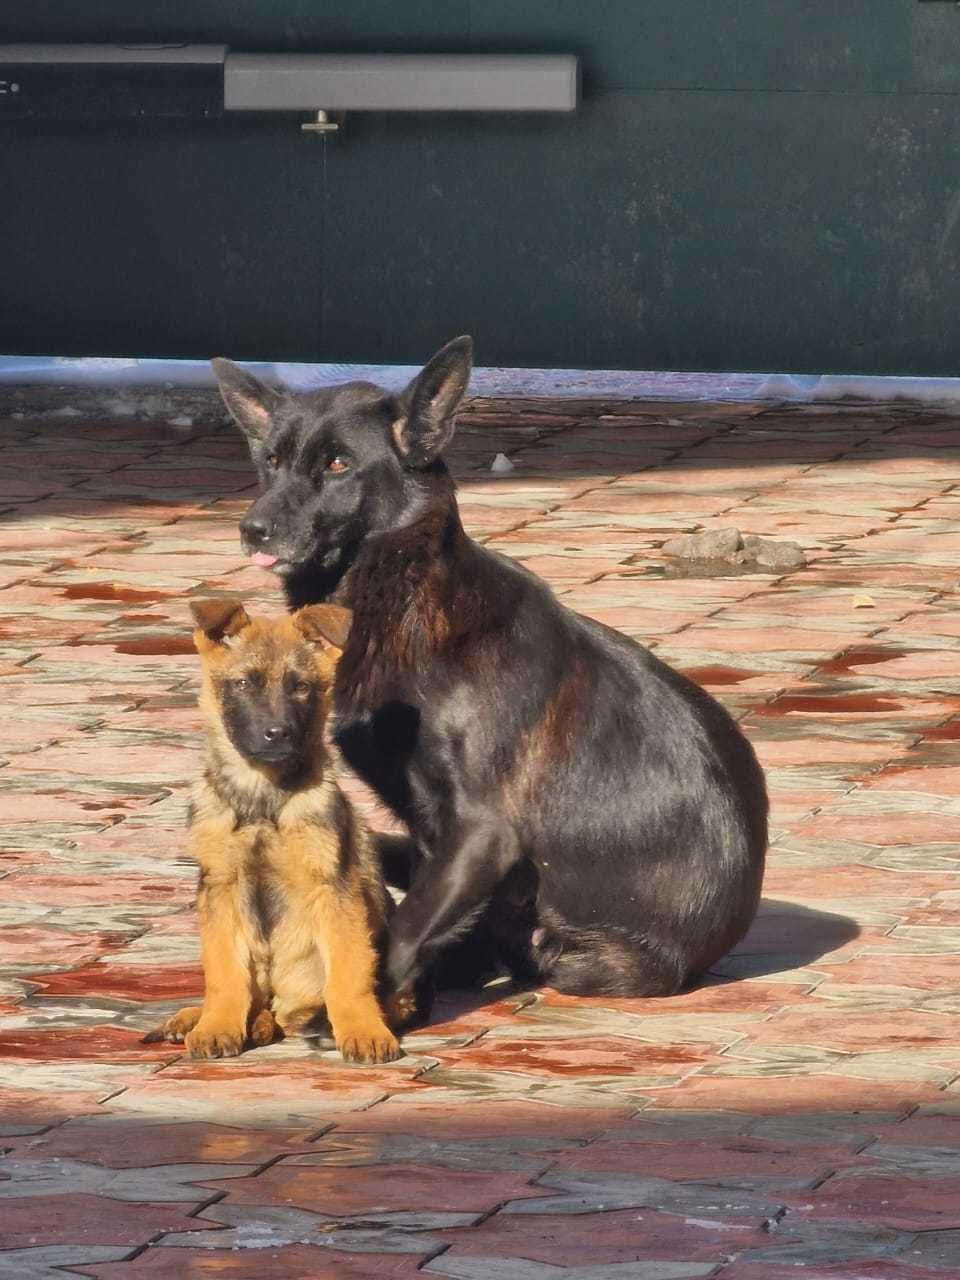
(256, 530)
(276, 733)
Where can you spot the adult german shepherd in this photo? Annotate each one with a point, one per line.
(599, 814)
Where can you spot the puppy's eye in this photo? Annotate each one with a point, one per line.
(241, 683)
(272, 461)
(301, 689)
(337, 466)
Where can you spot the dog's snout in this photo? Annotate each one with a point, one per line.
(256, 530)
(276, 734)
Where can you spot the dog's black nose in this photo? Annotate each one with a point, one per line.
(255, 530)
(275, 734)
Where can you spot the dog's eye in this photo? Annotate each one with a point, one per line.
(337, 466)
(241, 683)
(273, 461)
(301, 689)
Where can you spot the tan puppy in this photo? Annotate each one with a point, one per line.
(291, 900)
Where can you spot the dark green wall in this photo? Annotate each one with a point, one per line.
(750, 184)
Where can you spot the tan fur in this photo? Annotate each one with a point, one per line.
(304, 852)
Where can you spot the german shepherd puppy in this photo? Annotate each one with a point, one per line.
(602, 814)
(291, 899)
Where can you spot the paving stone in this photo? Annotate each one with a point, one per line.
(609, 1238)
(502, 1118)
(503, 1154)
(267, 1226)
(268, 1262)
(743, 1162)
(73, 1218)
(596, 1193)
(163, 1184)
(117, 1142)
(884, 1199)
(384, 1190)
(520, 1269)
(46, 1262)
(798, 1243)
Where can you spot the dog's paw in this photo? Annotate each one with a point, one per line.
(176, 1029)
(368, 1045)
(207, 1040)
(264, 1029)
(400, 1008)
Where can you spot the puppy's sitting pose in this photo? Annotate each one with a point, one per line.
(291, 900)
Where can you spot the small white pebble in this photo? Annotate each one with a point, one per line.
(183, 421)
(501, 463)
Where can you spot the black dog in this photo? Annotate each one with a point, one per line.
(604, 815)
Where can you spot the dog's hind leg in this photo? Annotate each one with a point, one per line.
(264, 1028)
(468, 961)
(586, 962)
(176, 1027)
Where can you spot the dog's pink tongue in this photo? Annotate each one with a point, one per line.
(262, 560)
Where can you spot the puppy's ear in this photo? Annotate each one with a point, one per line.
(326, 625)
(430, 403)
(251, 402)
(217, 621)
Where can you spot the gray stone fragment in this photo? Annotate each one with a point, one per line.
(730, 546)
(771, 554)
(715, 544)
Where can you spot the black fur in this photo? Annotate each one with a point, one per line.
(270, 722)
(597, 816)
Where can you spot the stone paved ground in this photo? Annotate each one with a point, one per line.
(800, 1109)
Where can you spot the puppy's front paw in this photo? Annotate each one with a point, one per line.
(176, 1028)
(368, 1044)
(208, 1040)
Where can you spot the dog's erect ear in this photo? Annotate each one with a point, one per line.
(327, 625)
(217, 621)
(431, 401)
(251, 403)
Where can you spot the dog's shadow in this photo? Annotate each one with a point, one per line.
(786, 936)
